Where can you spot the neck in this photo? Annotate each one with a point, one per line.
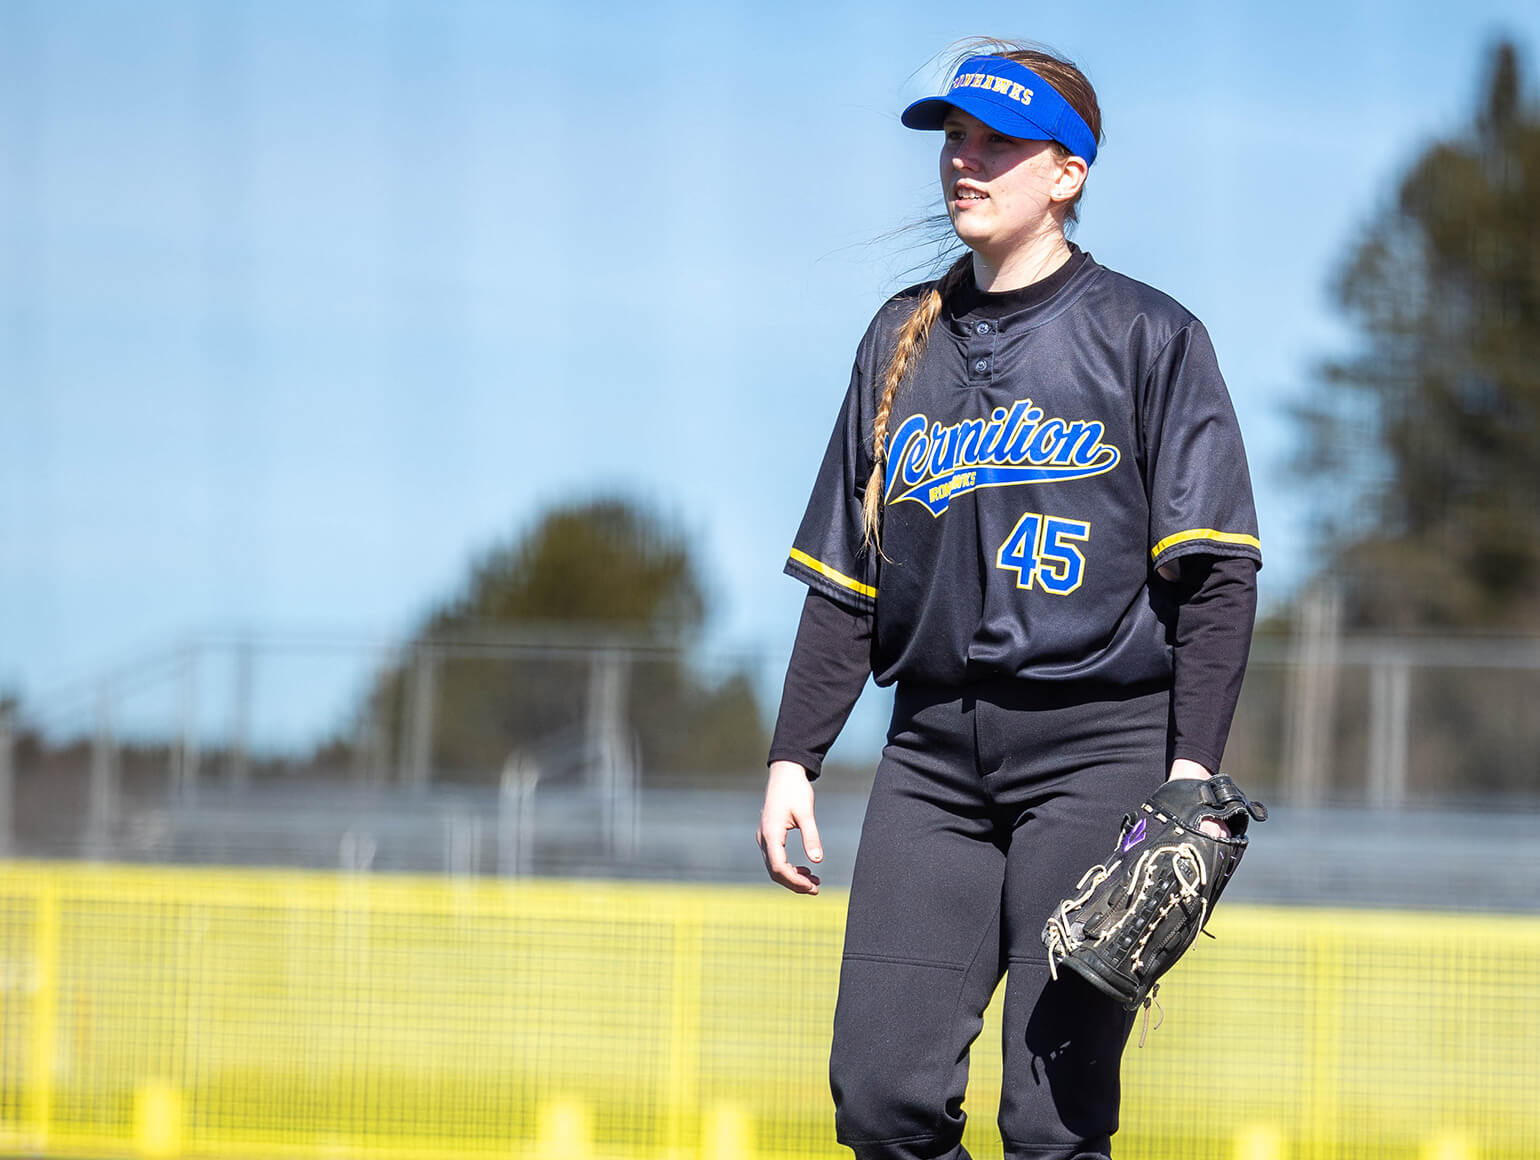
(1032, 261)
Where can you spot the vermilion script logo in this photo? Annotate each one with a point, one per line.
(931, 464)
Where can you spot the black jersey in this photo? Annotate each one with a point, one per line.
(1053, 447)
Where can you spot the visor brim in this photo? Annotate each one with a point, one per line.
(931, 113)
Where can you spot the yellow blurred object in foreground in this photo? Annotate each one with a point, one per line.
(163, 1012)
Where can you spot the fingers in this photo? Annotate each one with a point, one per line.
(795, 878)
(805, 881)
(1214, 828)
(788, 806)
(772, 847)
(803, 820)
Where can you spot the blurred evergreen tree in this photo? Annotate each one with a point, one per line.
(1432, 428)
(606, 562)
(585, 578)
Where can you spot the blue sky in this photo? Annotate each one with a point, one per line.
(303, 304)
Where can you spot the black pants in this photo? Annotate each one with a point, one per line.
(988, 805)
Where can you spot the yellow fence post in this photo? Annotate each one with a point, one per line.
(1448, 1146)
(566, 1130)
(728, 1134)
(1328, 1065)
(684, 1031)
(1259, 1142)
(158, 1120)
(45, 1012)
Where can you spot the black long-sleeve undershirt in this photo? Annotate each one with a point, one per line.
(831, 661)
(1213, 641)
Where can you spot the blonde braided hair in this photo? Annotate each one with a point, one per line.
(912, 337)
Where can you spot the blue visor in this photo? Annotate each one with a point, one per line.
(1010, 98)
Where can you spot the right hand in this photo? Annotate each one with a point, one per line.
(789, 806)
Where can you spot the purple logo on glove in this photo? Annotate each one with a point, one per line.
(1135, 836)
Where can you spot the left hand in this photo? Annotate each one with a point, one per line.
(1182, 767)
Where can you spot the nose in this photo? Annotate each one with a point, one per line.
(965, 157)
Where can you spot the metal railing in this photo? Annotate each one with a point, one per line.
(1326, 720)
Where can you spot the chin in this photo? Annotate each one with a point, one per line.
(971, 236)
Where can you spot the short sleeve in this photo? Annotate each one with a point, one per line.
(1195, 462)
(829, 553)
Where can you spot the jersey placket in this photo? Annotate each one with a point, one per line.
(981, 351)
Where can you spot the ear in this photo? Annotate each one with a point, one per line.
(1071, 177)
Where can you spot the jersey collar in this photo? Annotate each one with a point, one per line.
(1017, 306)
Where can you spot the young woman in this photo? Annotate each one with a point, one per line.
(1034, 517)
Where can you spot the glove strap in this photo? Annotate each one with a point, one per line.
(1221, 792)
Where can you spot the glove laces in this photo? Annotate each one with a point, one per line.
(1060, 938)
(1160, 1013)
(1191, 875)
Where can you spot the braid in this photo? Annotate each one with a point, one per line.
(912, 337)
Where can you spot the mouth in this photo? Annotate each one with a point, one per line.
(963, 192)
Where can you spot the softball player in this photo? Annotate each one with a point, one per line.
(1034, 518)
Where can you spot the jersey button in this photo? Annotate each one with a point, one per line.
(981, 366)
(981, 328)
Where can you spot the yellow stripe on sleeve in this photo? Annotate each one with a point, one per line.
(1205, 534)
(839, 578)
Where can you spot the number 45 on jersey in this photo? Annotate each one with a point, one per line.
(1041, 551)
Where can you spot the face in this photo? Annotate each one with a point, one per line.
(1002, 191)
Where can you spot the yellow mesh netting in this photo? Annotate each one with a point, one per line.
(164, 1012)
